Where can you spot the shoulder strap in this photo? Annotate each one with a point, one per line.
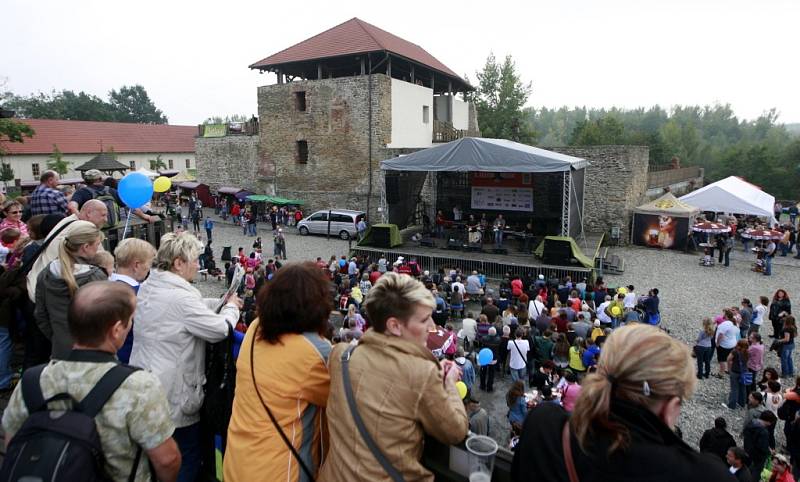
(520, 352)
(32, 389)
(351, 402)
(27, 268)
(568, 460)
(102, 391)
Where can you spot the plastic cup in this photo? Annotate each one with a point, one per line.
(482, 451)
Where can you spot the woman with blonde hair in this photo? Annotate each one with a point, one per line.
(703, 349)
(12, 212)
(623, 426)
(173, 323)
(58, 282)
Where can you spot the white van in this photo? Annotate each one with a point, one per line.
(342, 221)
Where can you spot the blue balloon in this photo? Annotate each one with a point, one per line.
(485, 357)
(135, 190)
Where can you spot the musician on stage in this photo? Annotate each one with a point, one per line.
(473, 232)
(484, 222)
(499, 225)
(527, 238)
(440, 222)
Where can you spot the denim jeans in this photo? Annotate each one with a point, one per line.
(787, 365)
(704, 355)
(6, 348)
(767, 265)
(736, 398)
(188, 440)
(252, 228)
(487, 377)
(498, 238)
(519, 374)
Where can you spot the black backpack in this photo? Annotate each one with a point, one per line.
(60, 445)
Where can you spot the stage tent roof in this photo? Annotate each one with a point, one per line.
(475, 154)
(733, 195)
(668, 204)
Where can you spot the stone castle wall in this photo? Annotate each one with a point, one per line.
(229, 161)
(616, 182)
(335, 127)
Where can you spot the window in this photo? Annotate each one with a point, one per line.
(425, 114)
(35, 169)
(302, 152)
(319, 217)
(300, 101)
(170, 164)
(133, 165)
(188, 163)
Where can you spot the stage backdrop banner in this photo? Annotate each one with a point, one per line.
(502, 191)
(669, 232)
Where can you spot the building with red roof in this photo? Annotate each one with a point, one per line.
(344, 100)
(79, 141)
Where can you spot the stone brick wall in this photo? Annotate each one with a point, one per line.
(616, 182)
(335, 126)
(229, 161)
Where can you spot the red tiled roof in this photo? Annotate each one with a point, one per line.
(85, 137)
(353, 37)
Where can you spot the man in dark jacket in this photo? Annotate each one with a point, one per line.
(756, 441)
(717, 440)
(492, 342)
(737, 459)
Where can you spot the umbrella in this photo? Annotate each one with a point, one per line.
(762, 234)
(711, 228)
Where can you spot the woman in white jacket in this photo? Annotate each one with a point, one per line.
(173, 324)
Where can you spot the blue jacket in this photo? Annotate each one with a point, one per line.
(518, 411)
(467, 372)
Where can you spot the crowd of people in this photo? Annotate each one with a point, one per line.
(343, 366)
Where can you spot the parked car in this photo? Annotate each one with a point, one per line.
(342, 223)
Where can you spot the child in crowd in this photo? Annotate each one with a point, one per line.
(104, 260)
(249, 280)
(774, 397)
(11, 241)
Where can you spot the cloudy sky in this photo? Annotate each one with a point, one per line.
(192, 57)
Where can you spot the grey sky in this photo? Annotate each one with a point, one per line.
(192, 57)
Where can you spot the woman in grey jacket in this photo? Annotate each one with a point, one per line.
(173, 324)
(58, 282)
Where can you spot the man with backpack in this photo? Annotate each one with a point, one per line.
(96, 189)
(65, 417)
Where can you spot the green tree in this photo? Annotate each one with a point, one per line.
(132, 104)
(499, 99)
(227, 119)
(12, 130)
(157, 164)
(603, 131)
(57, 162)
(6, 173)
(129, 104)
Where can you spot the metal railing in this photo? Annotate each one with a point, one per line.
(445, 132)
(443, 461)
(495, 270)
(138, 228)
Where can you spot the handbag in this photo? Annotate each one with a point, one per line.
(745, 375)
(362, 429)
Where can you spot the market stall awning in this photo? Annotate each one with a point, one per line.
(733, 195)
(274, 199)
(189, 185)
(475, 154)
(667, 204)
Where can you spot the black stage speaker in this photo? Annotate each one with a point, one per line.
(381, 237)
(427, 241)
(557, 252)
(499, 251)
(453, 244)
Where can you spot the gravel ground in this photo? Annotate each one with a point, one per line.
(688, 293)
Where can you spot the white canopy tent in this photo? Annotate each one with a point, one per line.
(147, 172)
(733, 195)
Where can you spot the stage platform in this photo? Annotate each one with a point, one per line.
(494, 266)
